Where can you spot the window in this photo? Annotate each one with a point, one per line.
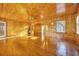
(2, 29)
(43, 32)
(60, 8)
(77, 25)
(60, 26)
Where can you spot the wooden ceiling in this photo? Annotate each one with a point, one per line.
(31, 12)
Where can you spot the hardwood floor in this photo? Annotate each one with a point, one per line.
(29, 47)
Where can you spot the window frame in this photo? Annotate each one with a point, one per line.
(56, 27)
(5, 29)
(76, 24)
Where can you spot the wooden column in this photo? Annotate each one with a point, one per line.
(70, 27)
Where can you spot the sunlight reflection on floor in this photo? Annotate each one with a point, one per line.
(61, 49)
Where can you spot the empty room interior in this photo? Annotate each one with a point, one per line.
(39, 29)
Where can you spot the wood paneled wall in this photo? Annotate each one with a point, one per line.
(14, 27)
